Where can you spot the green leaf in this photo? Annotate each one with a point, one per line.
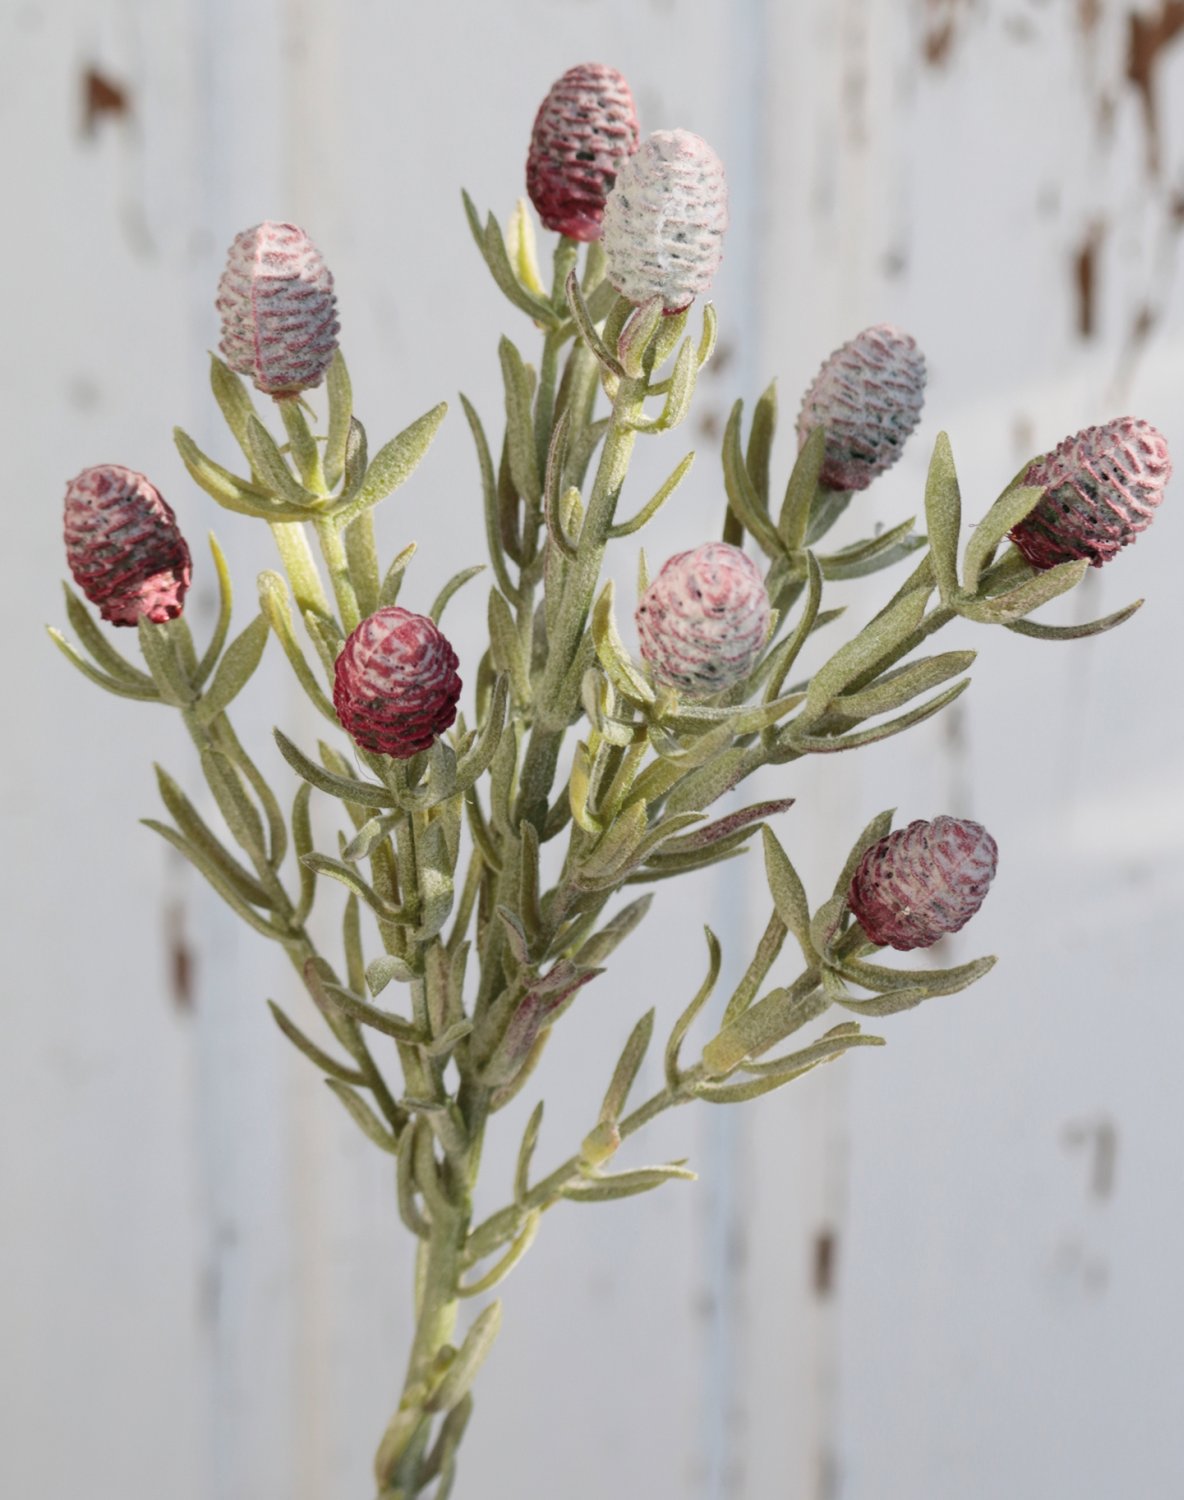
(606, 1187)
(364, 1117)
(393, 581)
(463, 1369)
(780, 1013)
(1008, 511)
(610, 650)
(158, 646)
(873, 553)
(365, 1014)
(828, 506)
(654, 505)
(231, 492)
(200, 861)
(644, 322)
(789, 895)
(784, 656)
(506, 650)
(596, 949)
(341, 409)
(743, 498)
(493, 250)
(493, 535)
(392, 465)
(357, 461)
(1004, 609)
(760, 442)
(530, 1139)
(233, 398)
(682, 389)
(822, 744)
(616, 849)
(627, 1069)
(933, 981)
(896, 687)
(435, 880)
(234, 670)
(347, 788)
(478, 759)
(943, 516)
(877, 829)
(519, 388)
(878, 638)
(586, 324)
(121, 687)
(238, 811)
(272, 468)
(104, 653)
(1073, 632)
(386, 968)
(457, 581)
(346, 875)
(686, 1020)
(801, 490)
(202, 837)
(770, 1076)
(302, 843)
(273, 600)
(341, 1071)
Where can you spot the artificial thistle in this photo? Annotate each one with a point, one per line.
(490, 877)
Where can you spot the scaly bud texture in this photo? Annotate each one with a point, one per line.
(664, 220)
(1101, 488)
(279, 314)
(123, 546)
(395, 685)
(922, 882)
(868, 396)
(704, 619)
(585, 129)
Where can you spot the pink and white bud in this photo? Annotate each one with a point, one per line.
(704, 620)
(922, 882)
(123, 546)
(664, 220)
(279, 314)
(395, 685)
(868, 396)
(1101, 488)
(585, 129)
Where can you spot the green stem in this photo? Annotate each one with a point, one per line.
(333, 551)
(301, 567)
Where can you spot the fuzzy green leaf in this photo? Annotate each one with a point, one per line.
(1008, 511)
(347, 788)
(875, 641)
(393, 465)
(801, 490)
(687, 1018)
(234, 670)
(364, 1117)
(943, 516)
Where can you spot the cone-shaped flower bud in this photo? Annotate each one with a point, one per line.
(664, 221)
(395, 686)
(1101, 488)
(921, 882)
(123, 546)
(704, 619)
(868, 396)
(585, 128)
(279, 314)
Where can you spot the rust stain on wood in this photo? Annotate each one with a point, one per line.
(825, 1253)
(180, 958)
(1147, 36)
(101, 97)
(941, 29)
(1085, 279)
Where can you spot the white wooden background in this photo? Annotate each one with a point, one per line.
(947, 1268)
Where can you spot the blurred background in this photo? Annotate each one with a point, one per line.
(947, 1267)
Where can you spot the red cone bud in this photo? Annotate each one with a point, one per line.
(585, 128)
(1101, 488)
(664, 220)
(922, 882)
(395, 686)
(704, 619)
(868, 396)
(123, 546)
(279, 314)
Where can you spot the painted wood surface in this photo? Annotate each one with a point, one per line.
(946, 1268)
